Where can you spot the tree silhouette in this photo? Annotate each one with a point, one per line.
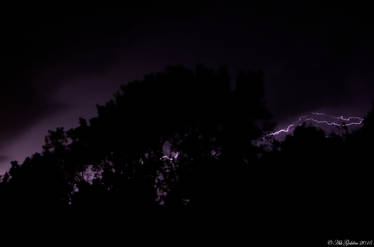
(186, 139)
(207, 121)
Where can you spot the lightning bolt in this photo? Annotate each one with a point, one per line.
(171, 157)
(285, 130)
(343, 121)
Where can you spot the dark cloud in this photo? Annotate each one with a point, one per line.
(313, 56)
(3, 158)
(39, 50)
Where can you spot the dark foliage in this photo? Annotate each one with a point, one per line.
(183, 139)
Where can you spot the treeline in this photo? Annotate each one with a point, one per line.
(185, 139)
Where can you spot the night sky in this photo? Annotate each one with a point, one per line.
(59, 62)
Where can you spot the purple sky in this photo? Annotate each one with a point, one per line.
(60, 64)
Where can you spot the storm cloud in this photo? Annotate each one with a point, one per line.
(59, 62)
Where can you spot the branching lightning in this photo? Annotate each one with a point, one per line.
(337, 121)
